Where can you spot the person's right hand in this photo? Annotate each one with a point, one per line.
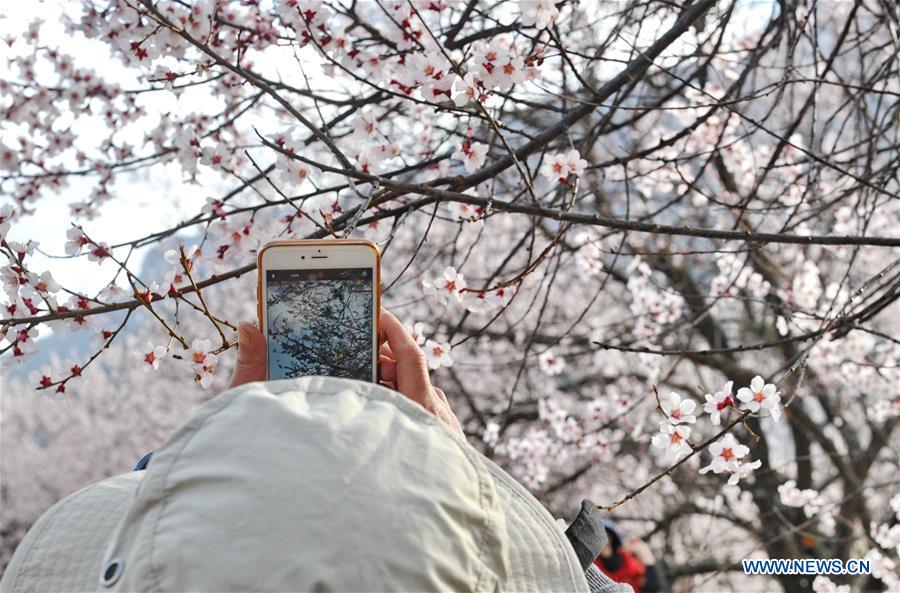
(403, 367)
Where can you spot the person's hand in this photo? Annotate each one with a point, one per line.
(251, 362)
(640, 550)
(402, 367)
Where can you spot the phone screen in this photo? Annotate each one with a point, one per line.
(319, 322)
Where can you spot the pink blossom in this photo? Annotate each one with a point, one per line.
(438, 354)
(472, 154)
(672, 438)
(761, 397)
(450, 286)
(718, 403)
(550, 363)
(539, 13)
(678, 411)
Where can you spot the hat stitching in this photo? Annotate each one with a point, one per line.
(484, 500)
(483, 490)
(195, 424)
(550, 527)
(367, 393)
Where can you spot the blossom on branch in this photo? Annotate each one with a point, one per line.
(761, 398)
(438, 354)
(472, 154)
(673, 439)
(539, 13)
(719, 402)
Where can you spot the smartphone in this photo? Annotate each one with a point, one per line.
(318, 305)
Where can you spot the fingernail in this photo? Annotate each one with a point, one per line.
(245, 337)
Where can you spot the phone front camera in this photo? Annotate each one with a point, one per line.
(302, 257)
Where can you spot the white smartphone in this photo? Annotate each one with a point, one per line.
(318, 305)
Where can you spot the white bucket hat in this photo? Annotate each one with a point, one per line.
(312, 484)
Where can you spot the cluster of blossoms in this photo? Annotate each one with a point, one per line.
(558, 168)
(652, 307)
(30, 293)
(727, 453)
(451, 288)
(203, 361)
(436, 353)
(539, 13)
(735, 275)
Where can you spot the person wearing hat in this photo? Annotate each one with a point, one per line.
(312, 484)
(630, 562)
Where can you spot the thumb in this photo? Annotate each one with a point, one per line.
(251, 362)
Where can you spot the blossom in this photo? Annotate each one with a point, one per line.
(21, 250)
(450, 286)
(438, 354)
(13, 277)
(100, 339)
(744, 469)
(98, 252)
(153, 355)
(472, 154)
(761, 397)
(465, 212)
(822, 584)
(558, 168)
(43, 284)
(9, 161)
(555, 168)
(365, 125)
(418, 332)
(679, 411)
(550, 363)
(291, 172)
(673, 438)
(173, 256)
(491, 434)
(791, 496)
(41, 378)
(540, 13)
(467, 89)
(146, 295)
(718, 402)
(726, 455)
(574, 163)
(6, 212)
(215, 156)
(203, 362)
(200, 351)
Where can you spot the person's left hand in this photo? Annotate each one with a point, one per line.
(251, 362)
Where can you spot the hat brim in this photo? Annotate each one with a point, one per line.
(540, 556)
(64, 548)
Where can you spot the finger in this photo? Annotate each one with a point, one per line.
(251, 361)
(411, 366)
(440, 393)
(389, 385)
(387, 369)
(385, 350)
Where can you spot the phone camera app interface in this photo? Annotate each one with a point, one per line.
(320, 323)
